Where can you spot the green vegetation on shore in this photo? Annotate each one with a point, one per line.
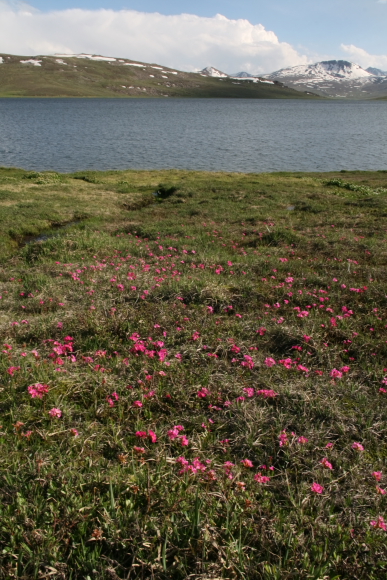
(81, 77)
(193, 384)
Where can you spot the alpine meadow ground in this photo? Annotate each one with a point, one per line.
(193, 375)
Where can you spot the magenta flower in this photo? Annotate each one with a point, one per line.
(335, 374)
(247, 463)
(357, 446)
(269, 362)
(267, 393)
(379, 524)
(261, 478)
(55, 412)
(377, 475)
(325, 463)
(317, 488)
(38, 390)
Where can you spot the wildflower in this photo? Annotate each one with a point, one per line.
(267, 393)
(152, 436)
(269, 362)
(377, 475)
(137, 404)
(317, 488)
(325, 463)
(380, 490)
(261, 478)
(357, 446)
(11, 371)
(248, 362)
(379, 524)
(55, 412)
(74, 432)
(141, 434)
(335, 374)
(241, 485)
(38, 390)
(329, 445)
(184, 440)
(247, 463)
(203, 392)
(302, 440)
(138, 449)
(283, 439)
(249, 391)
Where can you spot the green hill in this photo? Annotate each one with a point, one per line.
(53, 76)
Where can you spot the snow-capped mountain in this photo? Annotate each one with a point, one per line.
(333, 78)
(210, 71)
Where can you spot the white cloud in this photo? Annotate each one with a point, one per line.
(362, 57)
(183, 41)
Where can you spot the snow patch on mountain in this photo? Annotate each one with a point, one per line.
(32, 61)
(88, 56)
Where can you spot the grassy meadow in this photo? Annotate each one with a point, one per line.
(193, 384)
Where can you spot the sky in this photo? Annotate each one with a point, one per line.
(258, 36)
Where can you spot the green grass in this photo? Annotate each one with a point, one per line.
(159, 299)
(86, 78)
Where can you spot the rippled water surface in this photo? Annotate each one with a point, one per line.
(207, 134)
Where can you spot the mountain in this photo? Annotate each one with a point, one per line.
(210, 71)
(242, 75)
(376, 71)
(89, 75)
(333, 78)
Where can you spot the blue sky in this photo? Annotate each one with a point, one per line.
(277, 33)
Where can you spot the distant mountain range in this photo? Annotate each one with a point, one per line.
(331, 78)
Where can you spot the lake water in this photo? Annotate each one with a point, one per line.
(205, 134)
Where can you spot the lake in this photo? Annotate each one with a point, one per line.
(205, 134)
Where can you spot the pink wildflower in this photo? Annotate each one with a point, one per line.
(379, 524)
(137, 404)
(55, 412)
(317, 488)
(335, 374)
(74, 432)
(152, 436)
(141, 434)
(38, 390)
(377, 475)
(138, 449)
(325, 463)
(247, 463)
(302, 440)
(283, 439)
(267, 393)
(261, 478)
(357, 446)
(269, 362)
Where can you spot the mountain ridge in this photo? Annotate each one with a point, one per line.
(91, 76)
